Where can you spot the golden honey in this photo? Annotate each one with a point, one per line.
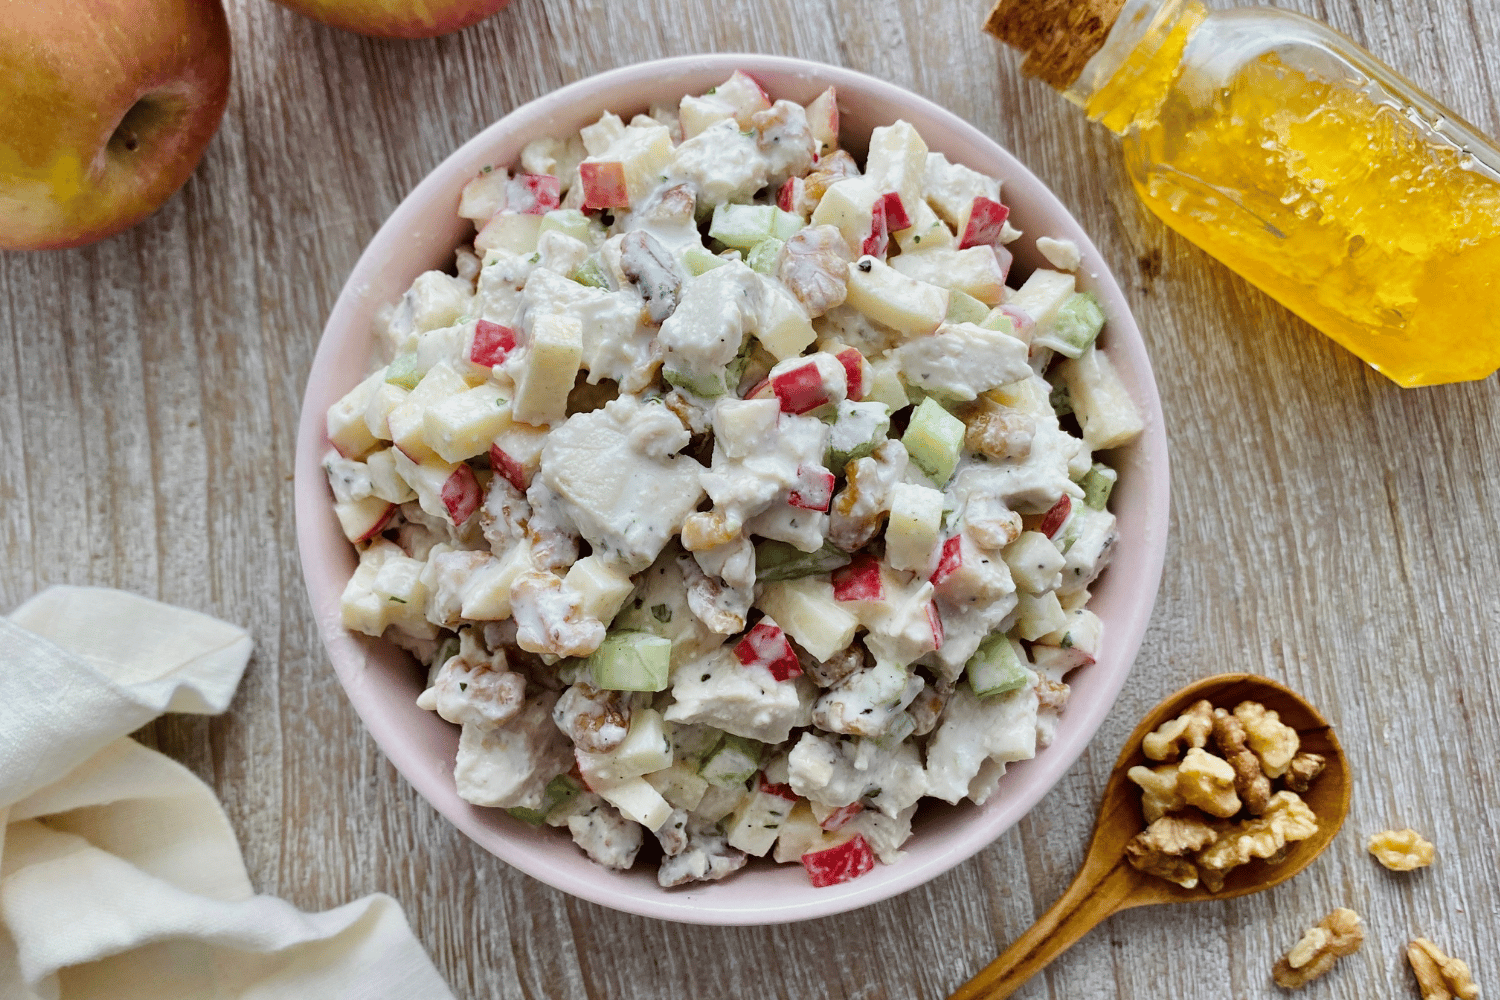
(1286, 151)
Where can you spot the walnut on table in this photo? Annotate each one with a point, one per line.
(1401, 850)
(1187, 731)
(1440, 977)
(1336, 935)
(1162, 848)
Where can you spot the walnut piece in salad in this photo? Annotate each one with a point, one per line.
(729, 492)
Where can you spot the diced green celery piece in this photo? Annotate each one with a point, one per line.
(997, 666)
(965, 308)
(568, 221)
(785, 225)
(733, 762)
(858, 429)
(734, 372)
(933, 439)
(900, 728)
(776, 561)
(1061, 399)
(631, 661)
(591, 273)
(1078, 322)
(766, 255)
(707, 386)
(742, 226)
(1097, 484)
(699, 261)
(404, 372)
(560, 791)
(997, 320)
(694, 742)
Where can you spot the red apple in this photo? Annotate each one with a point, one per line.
(985, 223)
(789, 194)
(492, 343)
(879, 239)
(397, 18)
(766, 644)
(935, 620)
(859, 581)
(896, 218)
(603, 185)
(848, 860)
(800, 388)
(780, 791)
(814, 490)
(510, 468)
(842, 815)
(461, 494)
(533, 194)
(854, 373)
(105, 110)
(1056, 517)
(823, 121)
(951, 559)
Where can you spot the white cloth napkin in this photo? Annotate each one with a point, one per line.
(120, 877)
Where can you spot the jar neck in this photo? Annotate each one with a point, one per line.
(1126, 81)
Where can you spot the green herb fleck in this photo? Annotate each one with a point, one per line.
(1067, 641)
(486, 169)
(397, 599)
(661, 613)
(712, 91)
(534, 259)
(916, 239)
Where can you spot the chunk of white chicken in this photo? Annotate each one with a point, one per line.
(866, 702)
(614, 476)
(608, 838)
(508, 766)
(961, 360)
(1001, 728)
(743, 699)
(836, 772)
(618, 339)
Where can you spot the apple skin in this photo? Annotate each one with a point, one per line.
(106, 108)
(397, 18)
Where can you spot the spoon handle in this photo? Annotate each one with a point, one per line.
(1099, 890)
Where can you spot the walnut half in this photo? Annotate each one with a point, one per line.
(1401, 850)
(1440, 977)
(1175, 736)
(1338, 934)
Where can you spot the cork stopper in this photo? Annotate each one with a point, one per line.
(1058, 36)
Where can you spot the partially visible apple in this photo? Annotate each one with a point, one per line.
(105, 110)
(397, 18)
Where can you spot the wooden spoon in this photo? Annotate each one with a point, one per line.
(1107, 884)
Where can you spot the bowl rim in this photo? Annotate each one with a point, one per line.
(357, 659)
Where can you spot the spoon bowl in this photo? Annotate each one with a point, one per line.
(1106, 883)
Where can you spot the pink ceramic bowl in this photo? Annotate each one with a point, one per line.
(382, 681)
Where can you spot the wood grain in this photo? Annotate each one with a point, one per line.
(1329, 529)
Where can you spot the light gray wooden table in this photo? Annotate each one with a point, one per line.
(1328, 529)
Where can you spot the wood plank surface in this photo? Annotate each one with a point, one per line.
(1329, 530)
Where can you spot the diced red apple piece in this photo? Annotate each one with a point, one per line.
(744, 93)
(510, 468)
(603, 184)
(842, 815)
(800, 388)
(986, 221)
(936, 621)
(461, 494)
(533, 194)
(879, 239)
(896, 218)
(1004, 258)
(823, 121)
(833, 865)
(951, 559)
(766, 644)
(787, 196)
(363, 519)
(854, 372)
(781, 791)
(814, 489)
(492, 343)
(1055, 518)
(859, 581)
(761, 390)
